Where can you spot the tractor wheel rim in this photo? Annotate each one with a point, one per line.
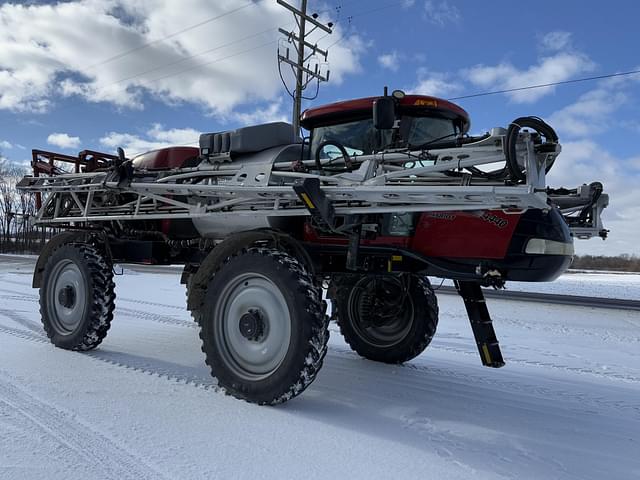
(257, 356)
(67, 297)
(383, 336)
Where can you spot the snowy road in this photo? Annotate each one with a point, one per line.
(143, 405)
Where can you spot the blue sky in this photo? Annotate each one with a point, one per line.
(222, 74)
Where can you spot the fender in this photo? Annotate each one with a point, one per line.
(53, 243)
(197, 284)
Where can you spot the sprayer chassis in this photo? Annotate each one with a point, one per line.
(256, 290)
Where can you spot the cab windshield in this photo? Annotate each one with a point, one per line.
(360, 137)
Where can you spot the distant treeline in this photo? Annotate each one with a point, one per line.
(621, 263)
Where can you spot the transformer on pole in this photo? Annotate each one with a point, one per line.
(305, 64)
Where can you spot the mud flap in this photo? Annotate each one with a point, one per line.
(481, 324)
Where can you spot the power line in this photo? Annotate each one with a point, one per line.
(262, 45)
(349, 19)
(183, 59)
(366, 12)
(172, 35)
(180, 72)
(577, 80)
(189, 57)
(542, 85)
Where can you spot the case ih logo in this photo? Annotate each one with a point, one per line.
(424, 102)
(442, 215)
(497, 221)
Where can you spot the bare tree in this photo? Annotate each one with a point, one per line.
(12, 206)
(26, 211)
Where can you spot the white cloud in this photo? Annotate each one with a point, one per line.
(589, 114)
(441, 13)
(159, 137)
(271, 113)
(155, 137)
(390, 61)
(436, 84)
(632, 125)
(5, 144)
(593, 112)
(555, 41)
(585, 161)
(63, 140)
(554, 68)
(218, 66)
(344, 56)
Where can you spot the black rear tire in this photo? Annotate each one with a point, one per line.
(386, 318)
(77, 297)
(262, 326)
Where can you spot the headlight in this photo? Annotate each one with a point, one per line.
(541, 246)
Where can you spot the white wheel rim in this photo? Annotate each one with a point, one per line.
(66, 297)
(256, 358)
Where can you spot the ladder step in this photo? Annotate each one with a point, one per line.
(481, 323)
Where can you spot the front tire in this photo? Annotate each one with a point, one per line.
(263, 330)
(386, 318)
(77, 297)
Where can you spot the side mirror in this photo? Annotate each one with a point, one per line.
(384, 113)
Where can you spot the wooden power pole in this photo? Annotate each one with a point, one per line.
(305, 65)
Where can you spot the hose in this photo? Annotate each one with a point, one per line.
(586, 212)
(339, 146)
(516, 172)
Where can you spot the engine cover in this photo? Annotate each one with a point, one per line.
(166, 158)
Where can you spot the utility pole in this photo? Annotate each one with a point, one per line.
(302, 67)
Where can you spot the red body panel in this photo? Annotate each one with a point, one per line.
(483, 234)
(477, 235)
(165, 158)
(311, 235)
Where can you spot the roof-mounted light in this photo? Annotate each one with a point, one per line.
(398, 94)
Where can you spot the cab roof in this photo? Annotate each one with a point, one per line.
(352, 109)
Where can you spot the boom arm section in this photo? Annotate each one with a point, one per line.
(389, 182)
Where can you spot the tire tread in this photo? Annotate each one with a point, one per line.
(316, 347)
(393, 355)
(103, 300)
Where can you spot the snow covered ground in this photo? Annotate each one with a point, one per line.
(590, 284)
(143, 405)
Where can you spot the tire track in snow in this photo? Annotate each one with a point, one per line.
(24, 334)
(21, 298)
(156, 317)
(13, 282)
(436, 345)
(610, 375)
(200, 378)
(190, 375)
(562, 330)
(171, 373)
(22, 320)
(389, 377)
(101, 454)
(129, 312)
(155, 304)
(120, 298)
(181, 374)
(14, 295)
